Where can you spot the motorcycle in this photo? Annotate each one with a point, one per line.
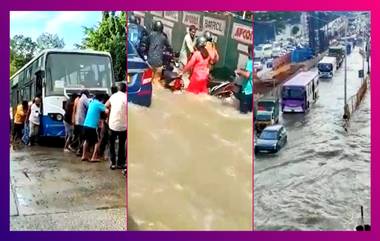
(174, 82)
(225, 89)
(170, 70)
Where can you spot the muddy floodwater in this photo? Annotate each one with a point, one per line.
(321, 177)
(189, 164)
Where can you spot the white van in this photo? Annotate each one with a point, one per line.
(267, 51)
(327, 67)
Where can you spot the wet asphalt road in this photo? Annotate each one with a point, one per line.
(53, 190)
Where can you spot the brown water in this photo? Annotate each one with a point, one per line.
(190, 164)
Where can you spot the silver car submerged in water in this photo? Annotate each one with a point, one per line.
(271, 139)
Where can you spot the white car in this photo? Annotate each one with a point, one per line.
(267, 51)
(258, 51)
(257, 65)
(276, 52)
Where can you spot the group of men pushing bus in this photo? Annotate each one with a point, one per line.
(92, 125)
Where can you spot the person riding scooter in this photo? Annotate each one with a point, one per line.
(157, 44)
(137, 35)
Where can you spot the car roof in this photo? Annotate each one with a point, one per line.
(268, 99)
(273, 128)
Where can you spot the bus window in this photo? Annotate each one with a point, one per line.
(30, 73)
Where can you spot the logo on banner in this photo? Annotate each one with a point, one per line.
(191, 19)
(214, 25)
(242, 33)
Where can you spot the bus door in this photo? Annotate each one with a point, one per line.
(38, 87)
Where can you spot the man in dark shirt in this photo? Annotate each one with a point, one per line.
(157, 44)
(69, 125)
(137, 35)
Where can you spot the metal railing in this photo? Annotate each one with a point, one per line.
(354, 101)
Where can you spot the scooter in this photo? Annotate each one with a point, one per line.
(174, 82)
(225, 89)
(170, 70)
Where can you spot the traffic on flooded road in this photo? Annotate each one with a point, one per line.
(321, 177)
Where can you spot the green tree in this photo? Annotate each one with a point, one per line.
(49, 41)
(21, 52)
(23, 49)
(295, 30)
(280, 18)
(110, 36)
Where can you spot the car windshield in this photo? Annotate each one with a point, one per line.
(334, 51)
(259, 48)
(324, 67)
(293, 93)
(265, 105)
(269, 135)
(77, 70)
(264, 116)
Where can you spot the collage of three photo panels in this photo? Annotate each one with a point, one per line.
(189, 120)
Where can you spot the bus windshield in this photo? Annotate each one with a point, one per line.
(293, 93)
(75, 70)
(324, 67)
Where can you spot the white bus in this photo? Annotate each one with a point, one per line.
(327, 67)
(54, 75)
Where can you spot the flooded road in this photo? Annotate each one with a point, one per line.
(321, 177)
(53, 190)
(189, 165)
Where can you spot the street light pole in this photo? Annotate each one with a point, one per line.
(363, 56)
(345, 71)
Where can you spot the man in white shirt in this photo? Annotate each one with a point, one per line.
(187, 45)
(187, 50)
(117, 121)
(34, 120)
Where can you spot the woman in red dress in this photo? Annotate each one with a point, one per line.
(199, 68)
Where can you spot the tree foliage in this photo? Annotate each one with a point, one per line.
(295, 30)
(23, 49)
(21, 52)
(110, 36)
(280, 19)
(49, 41)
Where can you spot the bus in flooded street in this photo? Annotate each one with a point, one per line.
(327, 67)
(54, 75)
(300, 92)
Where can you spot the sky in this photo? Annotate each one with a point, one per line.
(67, 25)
